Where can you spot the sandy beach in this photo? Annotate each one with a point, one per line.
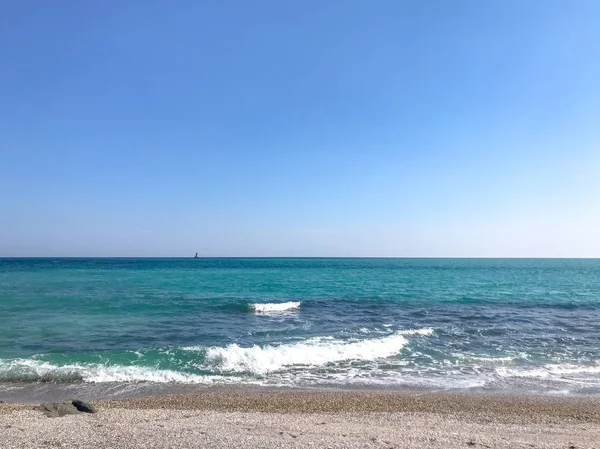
(328, 419)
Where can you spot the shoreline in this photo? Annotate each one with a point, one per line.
(313, 419)
(472, 405)
(34, 392)
(543, 408)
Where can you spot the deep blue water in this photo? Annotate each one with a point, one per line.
(468, 324)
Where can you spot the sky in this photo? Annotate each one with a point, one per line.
(348, 128)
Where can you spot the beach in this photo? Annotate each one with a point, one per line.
(319, 353)
(279, 224)
(258, 418)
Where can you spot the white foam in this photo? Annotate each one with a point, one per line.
(33, 369)
(101, 373)
(275, 307)
(312, 352)
(425, 331)
(483, 359)
(550, 371)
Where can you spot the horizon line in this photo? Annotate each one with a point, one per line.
(298, 257)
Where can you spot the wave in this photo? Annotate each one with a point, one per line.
(206, 364)
(318, 351)
(551, 371)
(274, 307)
(426, 332)
(490, 360)
(27, 370)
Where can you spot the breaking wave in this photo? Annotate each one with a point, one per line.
(426, 332)
(274, 307)
(317, 351)
(208, 364)
(551, 371)
(26, 370)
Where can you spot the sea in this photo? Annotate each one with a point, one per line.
(529, 326)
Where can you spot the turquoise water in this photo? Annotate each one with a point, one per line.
(441, 324)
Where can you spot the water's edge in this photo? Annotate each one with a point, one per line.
(33, 393)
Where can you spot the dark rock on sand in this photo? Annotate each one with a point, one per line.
(85, 407)
(55, 409)
(68, 407)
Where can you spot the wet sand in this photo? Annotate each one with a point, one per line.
(336, 419)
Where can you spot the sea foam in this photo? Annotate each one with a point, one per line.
(551, 371)
(275, 307)
(316, 351)
(27, 370)
(426, 332)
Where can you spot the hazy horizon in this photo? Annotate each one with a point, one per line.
(298, 257)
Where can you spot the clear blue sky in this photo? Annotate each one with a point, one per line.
(307, 128)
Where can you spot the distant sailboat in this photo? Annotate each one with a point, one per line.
(196, 256)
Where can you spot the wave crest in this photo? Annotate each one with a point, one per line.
(274, 307)
(426, 332)
(209, 364)
(26, 370)
(313, 352)
(552, 371)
